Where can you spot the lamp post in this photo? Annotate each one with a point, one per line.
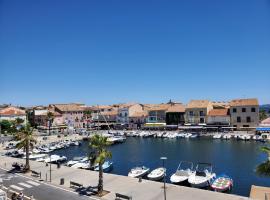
(164, 179)
(49, 123)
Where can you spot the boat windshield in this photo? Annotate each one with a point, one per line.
(204, 167)
(185, 165)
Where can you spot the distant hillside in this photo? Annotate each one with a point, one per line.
(265, 107)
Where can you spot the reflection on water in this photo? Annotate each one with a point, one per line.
(237, 159)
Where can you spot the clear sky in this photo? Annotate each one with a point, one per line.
(102, 52)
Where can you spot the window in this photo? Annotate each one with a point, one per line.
(238, 119)
(201, 120)
(253, 109)
(248, 119)
(191, 113)
(234, 110)
(243, 109)
(201, 113)
(245, 126)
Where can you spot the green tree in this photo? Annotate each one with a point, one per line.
(26, 141)
(262, 115)
(264, 168)
(18, 122)
(50, 117)
(100, 144)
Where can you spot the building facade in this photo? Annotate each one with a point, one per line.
(219, 117)
(196, 112)
(244, 113)
(72, 114)
(126, 111)
(175, 115)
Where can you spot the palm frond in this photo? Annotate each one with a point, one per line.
(265, 149)
(263, 169)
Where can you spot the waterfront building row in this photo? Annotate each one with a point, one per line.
(237, 113)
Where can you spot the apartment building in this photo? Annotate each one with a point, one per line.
(219, 117)
(244, 113)
(72, 114)
(197, 111)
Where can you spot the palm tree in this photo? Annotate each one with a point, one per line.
(99, 144)
(26, 141)
(264, 168)
(50, 117)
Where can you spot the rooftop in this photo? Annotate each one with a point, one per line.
(176, 108)
(69, 107)
(12, 111)
(244, 102)
(198, 104)
(218, 112)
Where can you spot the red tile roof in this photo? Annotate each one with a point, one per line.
(218, 112)
(12, 111)
(244, 102)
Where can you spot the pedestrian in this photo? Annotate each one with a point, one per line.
(20, 197)
(14, 196)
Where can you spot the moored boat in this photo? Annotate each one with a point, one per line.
(183, 172)
(222, 183)
(106, 167)
(203, 176)
(157, 174)
(138, 172)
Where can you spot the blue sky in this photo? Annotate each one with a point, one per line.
(102, 52)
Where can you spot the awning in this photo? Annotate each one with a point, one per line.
(190, 127)
(263, 129)
(155, 124)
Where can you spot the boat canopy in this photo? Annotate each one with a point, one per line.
(263, 129)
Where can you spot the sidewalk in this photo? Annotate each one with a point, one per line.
(146, 190)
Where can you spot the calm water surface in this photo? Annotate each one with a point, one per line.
(238, 159)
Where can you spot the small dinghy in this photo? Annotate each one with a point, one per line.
(138, 172)
(183, 172)
(157, 174)
(106, 167)
(203, 176)
(222, 183)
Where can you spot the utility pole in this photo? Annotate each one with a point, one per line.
(164, 179)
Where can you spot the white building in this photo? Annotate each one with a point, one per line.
(11, 113)
(218, 117)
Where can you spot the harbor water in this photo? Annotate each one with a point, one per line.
(237, 159)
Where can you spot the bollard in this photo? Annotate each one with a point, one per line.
(46, 176)
(140, 179)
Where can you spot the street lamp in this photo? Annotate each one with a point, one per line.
(164, 179)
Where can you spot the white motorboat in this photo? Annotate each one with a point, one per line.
(203, 176)
(138, 172)
(55, 159)
(157, 174)
(82, 164)
(226, 136)
(188, 135)
(245, 137)
(217, 136)
(37, 156)
(74, 161)
(183, 172)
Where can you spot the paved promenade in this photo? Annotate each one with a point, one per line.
(145, 190)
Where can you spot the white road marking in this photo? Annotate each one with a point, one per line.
(16, 187)
(33, 183)
(25, 185)
(19, 175)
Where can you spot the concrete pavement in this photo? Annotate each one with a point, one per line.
(37, 189)
(145, 190)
